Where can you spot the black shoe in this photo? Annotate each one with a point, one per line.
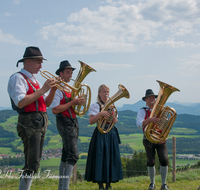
(164, 187)
(109, 188)
(152, 186)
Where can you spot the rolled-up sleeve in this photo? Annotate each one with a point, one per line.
(140, 118)
(17, 88)
(57, 98)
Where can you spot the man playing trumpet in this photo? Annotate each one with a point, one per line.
(143, 119)
(67, 125)
(29, 99)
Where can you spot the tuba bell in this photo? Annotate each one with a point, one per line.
(156, 133)
(83, 89)
(110, 107)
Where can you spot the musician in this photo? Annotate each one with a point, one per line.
(103, 162)
(29, 99)
(67, 125)
(142, 121)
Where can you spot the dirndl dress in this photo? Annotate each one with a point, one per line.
(104, 161)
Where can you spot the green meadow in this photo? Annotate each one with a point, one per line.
(10, 124)
(133, 140)
(187, 180)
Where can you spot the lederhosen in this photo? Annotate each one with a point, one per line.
(31, 127)
(68, 129)
(151, 148)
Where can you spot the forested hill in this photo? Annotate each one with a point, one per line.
(5, 114)
(126, 122)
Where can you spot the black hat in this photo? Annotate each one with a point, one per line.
(31, 53)
(64, 65)
(149, 92)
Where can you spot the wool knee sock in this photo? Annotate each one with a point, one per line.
(61, 175)
(152, 172)
(25, 182)
(67, 175)
(163, 173)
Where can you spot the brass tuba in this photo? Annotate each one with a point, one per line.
(83, 89)
(110, 107)
(156, 133)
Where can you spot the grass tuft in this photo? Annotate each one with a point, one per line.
(187, 180)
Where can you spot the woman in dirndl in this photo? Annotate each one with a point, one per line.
(103, 161)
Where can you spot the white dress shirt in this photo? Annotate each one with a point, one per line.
(140, 117)
(58, 97)
(18, 86)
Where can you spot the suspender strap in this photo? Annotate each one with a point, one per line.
(34, 89)
(146, 111)
(99, 106)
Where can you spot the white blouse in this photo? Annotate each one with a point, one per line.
(94, 109)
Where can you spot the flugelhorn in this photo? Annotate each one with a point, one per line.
(104, 124)
(78, 90)
(156, 133)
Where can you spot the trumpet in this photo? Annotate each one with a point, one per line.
(60, 84)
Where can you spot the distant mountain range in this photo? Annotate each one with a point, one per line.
(181, 108)
(5, 108)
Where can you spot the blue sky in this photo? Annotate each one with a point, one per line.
(128, 42)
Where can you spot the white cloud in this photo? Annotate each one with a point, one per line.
(108, 66)
(195, 56)
(109, 29)
(10, 39)
(173, 44)
(191, 66)
(17, 1)
(125, 28)
(7, 14)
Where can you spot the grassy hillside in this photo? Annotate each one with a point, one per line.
(188, 180)
(185, 127)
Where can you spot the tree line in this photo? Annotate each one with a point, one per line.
(185, 145)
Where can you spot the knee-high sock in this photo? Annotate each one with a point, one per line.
(61, 175)
(163, 173)
(152, 172)
(25, 182)
(67, 173)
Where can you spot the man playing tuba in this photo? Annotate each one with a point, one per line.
(142, 121)
(67, 125)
